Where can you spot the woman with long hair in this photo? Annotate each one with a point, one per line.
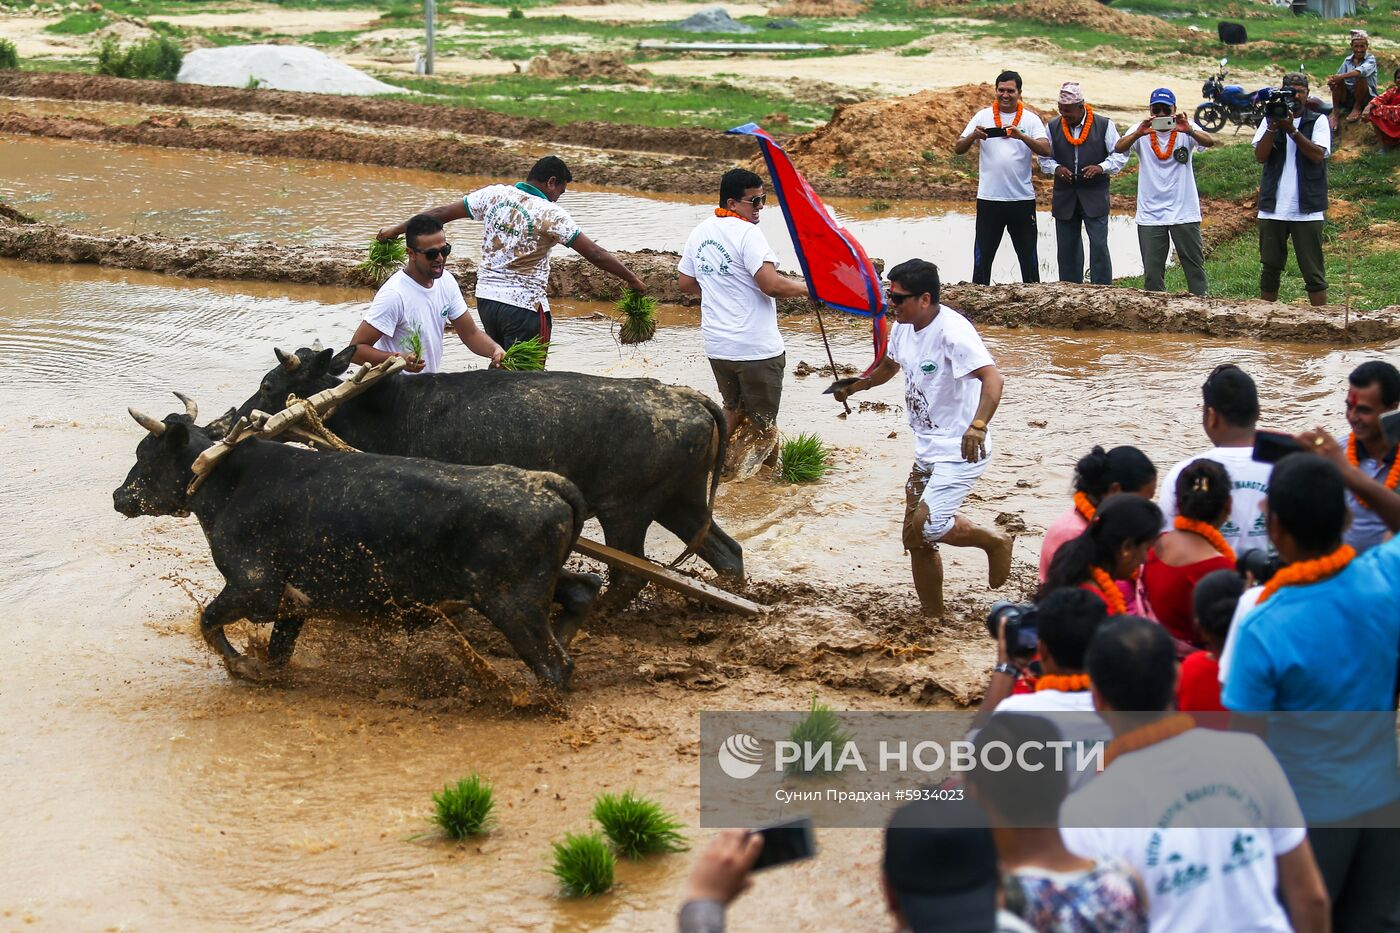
(1111, 549)
(1097, 476)
(1195, 548)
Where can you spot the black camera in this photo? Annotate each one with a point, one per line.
(1258, 563)
(1279, 104)
(1022, 631)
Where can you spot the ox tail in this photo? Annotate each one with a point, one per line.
(570, 494)
(721, 445)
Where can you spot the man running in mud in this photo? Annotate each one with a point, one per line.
(1007, 136)
(951, 388)
(520, 225)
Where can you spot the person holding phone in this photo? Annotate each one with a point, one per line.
(1007, 135)
(1373, 390)
(1168, 207)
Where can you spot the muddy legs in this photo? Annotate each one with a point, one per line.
(230, 606)
(927, 565)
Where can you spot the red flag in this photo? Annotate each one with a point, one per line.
(838, 272)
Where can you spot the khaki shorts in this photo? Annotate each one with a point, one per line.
(754, 387)
(932, 496)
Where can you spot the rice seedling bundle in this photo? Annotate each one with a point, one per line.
(638, 317)
(464, 809)
(637, 826)
(526, 356)
(803, 459)
(584, 864)
(385, 258)
(413, 342)
(820, 726)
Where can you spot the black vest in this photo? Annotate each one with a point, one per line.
(1091, 197)
(1312, 179)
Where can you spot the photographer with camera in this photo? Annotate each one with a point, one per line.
(1081, 159)
(1293, 145)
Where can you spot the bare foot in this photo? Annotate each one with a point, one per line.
(1332, 121)
(999, 561)
(1354, 116)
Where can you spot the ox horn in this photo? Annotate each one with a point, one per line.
(290, 360)
(191, 408)
(146, 421)
(316, 347)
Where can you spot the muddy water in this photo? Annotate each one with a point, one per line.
(229, 196)
(143, 790)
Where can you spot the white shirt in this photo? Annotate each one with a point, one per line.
(1166, 188)
(940, 395)
(737, 321)
(1198, 876)
(1286, 205)
(402, 305)
(1004, 164)
(1249, 487)
(1248, 600)
(1110, 165)
(1083, 725)
(519, 226)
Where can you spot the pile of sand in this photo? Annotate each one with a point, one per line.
(891, 132)
(1087, 13)
(561, 63)
(278, 67)
(830, 9)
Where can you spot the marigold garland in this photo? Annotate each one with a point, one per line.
(1066, 683)
(1150, 734)
(1083, 131)
(1392, 478)
(726, 212)
(1117, 606)
(1207, 531)
(996, 113)
(1171, 144)
(1309, 571)
(1084, 507)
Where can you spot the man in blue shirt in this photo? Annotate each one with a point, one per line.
(1326, 648)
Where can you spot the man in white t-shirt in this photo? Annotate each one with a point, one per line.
(951, 390)
(729, 265)
(416, 303)
(1293, 193)
(520, 225)
(1207, 818)
(1167, 204)
(1006, 135)
(1229, 411)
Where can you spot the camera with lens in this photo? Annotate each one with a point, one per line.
(1022, 630)
(1279, 104)
(1258, 564)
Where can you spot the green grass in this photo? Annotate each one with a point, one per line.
(637, 826)
(526, 356)
(820, 726)
(803, 459)
(77, 24)
(385, 258)
(584, 864)
(9, 56)
(155, 57)
(464, 809)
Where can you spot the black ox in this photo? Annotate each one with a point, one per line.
(295, 532)
(639, 451)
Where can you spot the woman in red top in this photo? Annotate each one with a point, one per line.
(1198, 687)
(1112, 548)
(1194, 549)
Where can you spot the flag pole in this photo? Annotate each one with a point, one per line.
(817, 305)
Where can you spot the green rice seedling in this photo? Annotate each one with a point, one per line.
(638, 317)
(637, 826)
(526, 356)
(9, 56)
(803, 459)
(584, 864)
(464, 809)
(820, 726)
(515, 13)
(413, 342)
(385, 258)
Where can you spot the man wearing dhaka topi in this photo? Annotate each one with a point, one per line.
(1082, 157)
(951, 390)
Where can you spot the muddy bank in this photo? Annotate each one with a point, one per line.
(677, 140)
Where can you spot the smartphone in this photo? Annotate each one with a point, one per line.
(1390, 424)
(1162, 124)
(1271, 446)
(788, 841)
(994, 132)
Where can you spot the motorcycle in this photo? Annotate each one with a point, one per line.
(1229, 103)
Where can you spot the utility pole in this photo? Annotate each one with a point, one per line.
(430, 23)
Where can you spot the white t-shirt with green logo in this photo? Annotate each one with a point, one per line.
(519, 226)
(737, 320)
(1249, 482)
(401, 305)
(940, 394)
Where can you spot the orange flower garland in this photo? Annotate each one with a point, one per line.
(996, 113)
(1171, 144)
(1392, 478)
(1083, 131)
(1150, 734)
(1117, 606)
(1068, 683)
(1309, 571)
(1209, 532)
(726, 212)
(1084, 507)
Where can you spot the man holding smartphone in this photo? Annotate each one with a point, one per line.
(1293, 193)
(1007, 135)
(1168, 207)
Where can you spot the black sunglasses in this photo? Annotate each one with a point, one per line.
(898, 298)
(757, 200)
(444, 251)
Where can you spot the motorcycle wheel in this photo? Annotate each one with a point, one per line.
(1210, 117)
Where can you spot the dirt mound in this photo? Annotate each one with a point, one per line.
(830, 9)
(561, 63)
(1089, 14)
(891, 133)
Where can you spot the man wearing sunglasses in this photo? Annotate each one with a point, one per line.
(951, 390)
(421, 298)
(520, 224)
(729, 265)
